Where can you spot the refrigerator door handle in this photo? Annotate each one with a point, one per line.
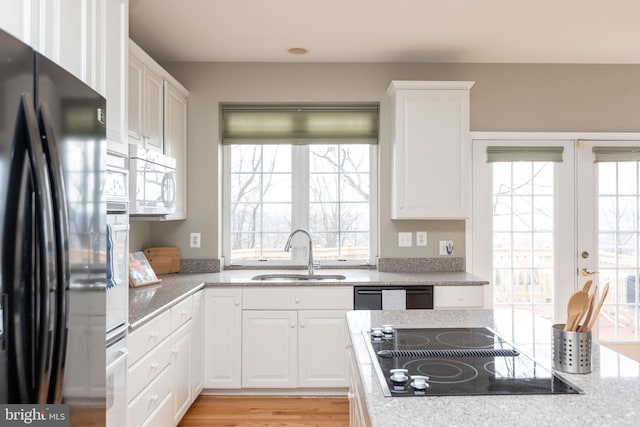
(61, 230)
(18, 330)
(46, 279)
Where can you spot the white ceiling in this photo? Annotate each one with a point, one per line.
(511, 31)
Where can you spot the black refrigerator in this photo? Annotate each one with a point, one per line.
(52, 236)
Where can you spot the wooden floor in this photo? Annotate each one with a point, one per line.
(262, 411)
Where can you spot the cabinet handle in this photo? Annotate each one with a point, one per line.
(154, 366)
(297, 300)
(460, 298)
(184, 313)
(153, 334)
(302, 324)
(153, 398)
(293, 325)
(236, 302)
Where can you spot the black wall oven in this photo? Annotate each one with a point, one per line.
(396, 297)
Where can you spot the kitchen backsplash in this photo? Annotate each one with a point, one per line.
(188, 265)
(420, 265)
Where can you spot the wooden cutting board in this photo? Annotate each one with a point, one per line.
(163, 260)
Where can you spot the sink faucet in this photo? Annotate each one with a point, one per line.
(288, 246)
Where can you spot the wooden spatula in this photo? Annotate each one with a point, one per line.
(592, 299)
(575, 309)
(596, 311)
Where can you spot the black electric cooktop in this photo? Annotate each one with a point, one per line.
(456, 361)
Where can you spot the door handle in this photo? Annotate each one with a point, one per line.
(587, 272)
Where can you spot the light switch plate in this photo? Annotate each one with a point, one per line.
(405, 240)
(421, 238)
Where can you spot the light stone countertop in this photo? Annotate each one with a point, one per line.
(148, 301)
(610, 395)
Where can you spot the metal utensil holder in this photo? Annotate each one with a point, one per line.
(571, 350)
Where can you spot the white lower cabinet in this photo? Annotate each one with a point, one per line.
(162, 365)
(308, 325)
(269, 349)
(458, 296)
(142, 408)
(181, 370)
(197, 321)
(358, 416)
(161, 417)
(322, 339)
(222, 338)
(284, 337)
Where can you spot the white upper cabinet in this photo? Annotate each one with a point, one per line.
(20, 18)
(72, 33)
(145, 100)
(116, 76)
(175, 141)
(431, 176)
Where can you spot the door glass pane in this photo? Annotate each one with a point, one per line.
(618, 201)
(523, 218)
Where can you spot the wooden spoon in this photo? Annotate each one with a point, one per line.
(586, 286)
(575, 309)
(585, 323)
(596, 311)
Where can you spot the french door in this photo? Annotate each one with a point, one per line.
(545, 223)
(608, 231)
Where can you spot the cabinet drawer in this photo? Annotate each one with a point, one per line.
(458, 296)
(181, 313)
(150, 398)
(143, 339)
(143, 372)
(298, 298)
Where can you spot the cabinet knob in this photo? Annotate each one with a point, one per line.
(302, 324)
(297, 300)
(236, 302)
(153, 398)
(154, 366)
(460, 298)
(153, 334)
(293, 325)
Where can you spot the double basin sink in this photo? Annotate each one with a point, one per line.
(296, 277)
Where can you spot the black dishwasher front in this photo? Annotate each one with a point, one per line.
(370, 297)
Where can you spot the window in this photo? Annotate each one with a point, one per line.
(274, 184)
(523, 234)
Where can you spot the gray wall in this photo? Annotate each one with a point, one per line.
(505, 97)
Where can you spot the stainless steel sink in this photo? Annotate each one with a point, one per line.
(293, 276)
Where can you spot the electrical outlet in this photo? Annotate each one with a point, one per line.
(194, 240)
(405, 240)
(421, 238)
(446, 247)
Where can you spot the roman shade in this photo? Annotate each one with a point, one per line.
(299, 124)
(524, 154)
(616, 154)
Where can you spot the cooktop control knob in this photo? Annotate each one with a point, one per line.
(419, 382)
(377, 333)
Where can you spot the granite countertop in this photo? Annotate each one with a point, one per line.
(367, 277)
(610, 390)
(148, 301)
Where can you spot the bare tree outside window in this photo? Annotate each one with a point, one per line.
(523, 229)
(334, 199)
